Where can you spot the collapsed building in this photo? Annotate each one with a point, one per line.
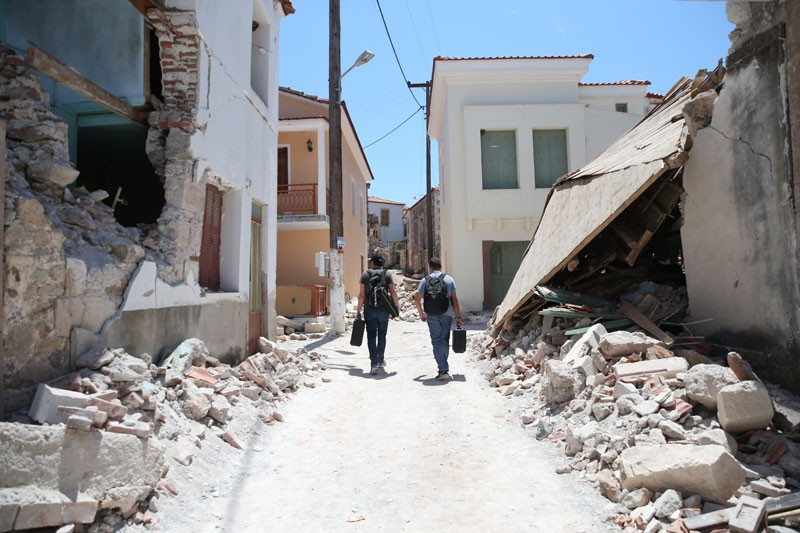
(701, 197)
(140, 157)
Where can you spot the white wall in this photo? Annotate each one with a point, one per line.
(393, 232)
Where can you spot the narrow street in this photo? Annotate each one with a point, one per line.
(404, 451)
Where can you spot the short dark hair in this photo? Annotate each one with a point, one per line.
(434, 262)
(377, 259)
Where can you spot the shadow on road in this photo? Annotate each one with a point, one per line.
(433, 382)
(382, 374)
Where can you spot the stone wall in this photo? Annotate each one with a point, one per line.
(67, 261)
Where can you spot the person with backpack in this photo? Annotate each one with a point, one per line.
(375, 296)
(437, 304)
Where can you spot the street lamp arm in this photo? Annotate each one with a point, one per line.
(365, 56)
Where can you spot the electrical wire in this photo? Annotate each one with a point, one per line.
(435, 34)
(395, 128)
(414, 96)
(413, 25)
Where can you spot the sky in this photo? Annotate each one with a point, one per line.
(655, 40)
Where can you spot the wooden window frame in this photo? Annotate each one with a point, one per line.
(211, 240)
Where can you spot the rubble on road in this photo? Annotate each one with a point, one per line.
(673, 438)
(113, 429)
(405, 288)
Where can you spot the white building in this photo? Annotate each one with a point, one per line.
(390, 218)
(507, 128)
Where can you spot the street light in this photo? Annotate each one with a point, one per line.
(365, 56)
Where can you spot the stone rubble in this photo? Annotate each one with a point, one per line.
(156, 412)
(663, 434)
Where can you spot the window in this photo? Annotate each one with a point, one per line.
(353, 194)
(549, 156)
(621, 108)
(210, 243)
(499, 159)
(384, 217)
(361, 216)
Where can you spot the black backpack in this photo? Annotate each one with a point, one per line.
(378, 292)
(435, 299)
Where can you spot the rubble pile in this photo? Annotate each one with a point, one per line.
(297, 330)
(674, 439)
(128, 415)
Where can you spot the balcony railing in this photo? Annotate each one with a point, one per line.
(298, 199)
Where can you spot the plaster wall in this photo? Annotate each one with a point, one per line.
(293, 106)
(296, 258)
(604, 126)
(107, 47)
(354, 219)
(302, 163)
(293, 300)
(739, 234)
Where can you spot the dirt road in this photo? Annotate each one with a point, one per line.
(401, 450)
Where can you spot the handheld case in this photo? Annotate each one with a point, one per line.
(357, 333)
(459, 340)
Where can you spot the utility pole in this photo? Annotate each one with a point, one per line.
(428, 199)
(335, 170)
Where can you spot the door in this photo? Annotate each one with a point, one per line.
(504, 260)
(254, 331)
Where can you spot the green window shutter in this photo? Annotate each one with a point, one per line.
(499, 159)
(549, 156)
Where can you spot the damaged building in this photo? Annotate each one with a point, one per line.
(140, 197)
(687, 224)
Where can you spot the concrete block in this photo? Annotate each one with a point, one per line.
(48, 507)
(584, 345)
(747, 516)
(703, 383)
(44, 408)
(79, 422)
(315, 327)
(709, 471)
(8, 515)
(668, 368)
(743, 406)
(140, 429)
(622, 343)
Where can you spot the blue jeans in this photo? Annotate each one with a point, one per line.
(376, 320)
(439, 327)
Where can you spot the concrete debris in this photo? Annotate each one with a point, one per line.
(654, 428)
(115, 440)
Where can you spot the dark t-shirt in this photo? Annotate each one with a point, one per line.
(365, 277)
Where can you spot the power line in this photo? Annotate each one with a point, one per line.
(395, 128)
(413, 25)
(414, 96)
(435, 34)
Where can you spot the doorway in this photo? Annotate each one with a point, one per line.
(504, 261)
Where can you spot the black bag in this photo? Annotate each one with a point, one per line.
(379, 295)
(357, 334)
(435, 299)
(459, 340)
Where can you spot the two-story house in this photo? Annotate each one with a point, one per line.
(303, 188)
(507, 128)
(390, 218)
(142, 179)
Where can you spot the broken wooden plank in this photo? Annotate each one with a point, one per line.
(783, 503)
(72, 79)
(643, 322)
(706, 520)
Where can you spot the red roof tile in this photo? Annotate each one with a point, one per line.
(383, 201)
(445, 58)
(621, 82)
(656, 96)
(301, 94)
(288, 8)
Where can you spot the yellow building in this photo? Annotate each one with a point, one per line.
(304, 204)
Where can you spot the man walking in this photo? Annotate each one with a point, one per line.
(437, 292)
(376, 282)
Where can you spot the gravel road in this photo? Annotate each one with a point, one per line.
(397, 452)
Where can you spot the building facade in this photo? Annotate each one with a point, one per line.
(416, 220)
(390, 218)
(506, 129)
(142, 176)
(303, 185)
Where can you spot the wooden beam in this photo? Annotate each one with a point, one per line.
(70, 78)
(645, 323)
(143, 5)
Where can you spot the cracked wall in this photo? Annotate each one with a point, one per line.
(740, 233)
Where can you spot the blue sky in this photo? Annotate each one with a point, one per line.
(656, 40)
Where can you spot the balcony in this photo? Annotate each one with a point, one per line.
(297, 207)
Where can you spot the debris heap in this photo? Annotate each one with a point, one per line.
(675, 439)
(111, 425)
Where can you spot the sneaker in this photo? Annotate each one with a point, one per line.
(443, 376)
(382, 364)
(373, 370)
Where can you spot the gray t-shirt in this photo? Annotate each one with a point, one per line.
(449, 283)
